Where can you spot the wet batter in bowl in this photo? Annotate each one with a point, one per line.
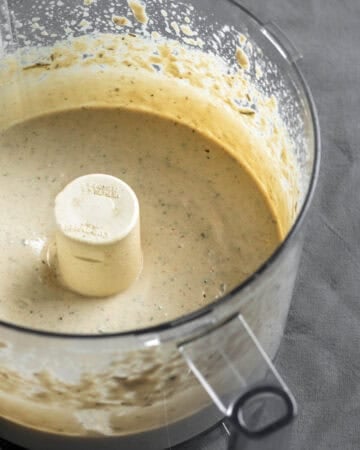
(205, 223)
(214, 179)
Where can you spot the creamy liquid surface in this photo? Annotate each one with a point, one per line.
(205, 223)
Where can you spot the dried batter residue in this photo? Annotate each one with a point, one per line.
(139, 11)
(242, 59)
(121, 21)
(187, 30)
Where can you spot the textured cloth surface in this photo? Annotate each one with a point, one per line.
(320, 353)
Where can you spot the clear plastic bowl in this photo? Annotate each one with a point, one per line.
(140, 382)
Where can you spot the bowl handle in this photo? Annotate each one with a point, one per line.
(240, 378)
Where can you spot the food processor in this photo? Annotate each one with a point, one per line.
(159, 386)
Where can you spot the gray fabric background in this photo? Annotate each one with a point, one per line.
(320, 354)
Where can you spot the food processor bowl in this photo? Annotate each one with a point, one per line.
(156, 387)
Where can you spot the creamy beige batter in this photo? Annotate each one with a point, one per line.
(205, 223)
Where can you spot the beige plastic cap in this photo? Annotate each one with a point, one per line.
(98, 235)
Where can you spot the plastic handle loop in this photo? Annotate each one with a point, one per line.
(240, 378)
(238, 417)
